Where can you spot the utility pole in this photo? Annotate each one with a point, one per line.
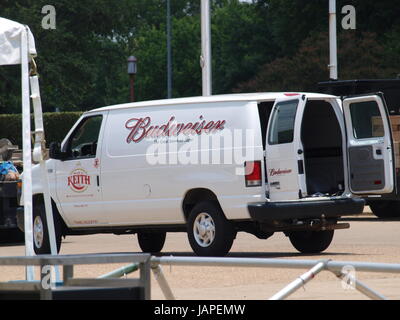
(169, 52)
(333, 63)
(205, 58)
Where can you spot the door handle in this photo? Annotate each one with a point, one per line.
(300, 164)
(275, 184)
(98, 181)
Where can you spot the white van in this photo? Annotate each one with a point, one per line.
(214, 166)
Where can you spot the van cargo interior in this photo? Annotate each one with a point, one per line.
(323, 153)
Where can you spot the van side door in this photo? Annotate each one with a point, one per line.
(369, 145)
(78, 175)
(284, 149)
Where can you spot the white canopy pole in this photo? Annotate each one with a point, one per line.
(333, 64)
(38, 156)
(39, 151)
(27, 155)
(205, 59)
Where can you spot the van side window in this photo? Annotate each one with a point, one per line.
(282, 122)
(366, 120)
(83, 141)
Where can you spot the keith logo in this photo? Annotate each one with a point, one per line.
(79, 180)
(278, 172)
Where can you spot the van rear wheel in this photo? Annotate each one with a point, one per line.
(311, 241)
(209, 232)
(151, 242)
(385, 209)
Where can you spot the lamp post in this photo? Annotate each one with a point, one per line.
(132, 69)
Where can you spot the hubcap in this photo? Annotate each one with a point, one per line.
(38, 232)
(204, 230)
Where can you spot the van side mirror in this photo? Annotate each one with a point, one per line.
(55, 151)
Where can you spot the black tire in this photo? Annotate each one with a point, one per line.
(311, 241)
(11, 236)
(151, 242)
(220, 240)
(41, 241)
(385, 209)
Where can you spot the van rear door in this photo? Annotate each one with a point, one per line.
(284, 150)
(369, 145)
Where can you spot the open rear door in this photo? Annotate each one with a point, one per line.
(284, 150)
(369, 145)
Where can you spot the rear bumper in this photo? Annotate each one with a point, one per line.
(269, 211)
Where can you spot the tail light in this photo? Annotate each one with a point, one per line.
(253, 173)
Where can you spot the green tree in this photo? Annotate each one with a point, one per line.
(83, 62)
(73, 58)
(359, 57)
(241, 42)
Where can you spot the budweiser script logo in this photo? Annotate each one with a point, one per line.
(79, 180)
(141, 128)
(277, 172)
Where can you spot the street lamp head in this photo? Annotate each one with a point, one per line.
(132, 69)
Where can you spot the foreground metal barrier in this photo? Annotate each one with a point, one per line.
(338, 268)
(145, 263)
(106, 286)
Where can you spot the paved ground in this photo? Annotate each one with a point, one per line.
(368, 239)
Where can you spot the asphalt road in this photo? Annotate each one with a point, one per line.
(368, 239)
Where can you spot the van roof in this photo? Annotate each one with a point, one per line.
(261, 96)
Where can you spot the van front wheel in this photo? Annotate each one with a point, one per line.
(209, 232)
(151, 242)
(41, 240)
(311, 241)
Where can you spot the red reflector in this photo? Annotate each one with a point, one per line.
(291, 94)
(253, 173)
(377, 182)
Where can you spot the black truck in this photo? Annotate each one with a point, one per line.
(386, 206)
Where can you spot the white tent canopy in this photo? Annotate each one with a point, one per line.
(10, 42)
(17, 46)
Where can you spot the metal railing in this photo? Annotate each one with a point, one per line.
(145, 263)
(338, 268)
(67, 262)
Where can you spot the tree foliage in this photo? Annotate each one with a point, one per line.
(370, 51)
(360, 57)
(261, 45)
